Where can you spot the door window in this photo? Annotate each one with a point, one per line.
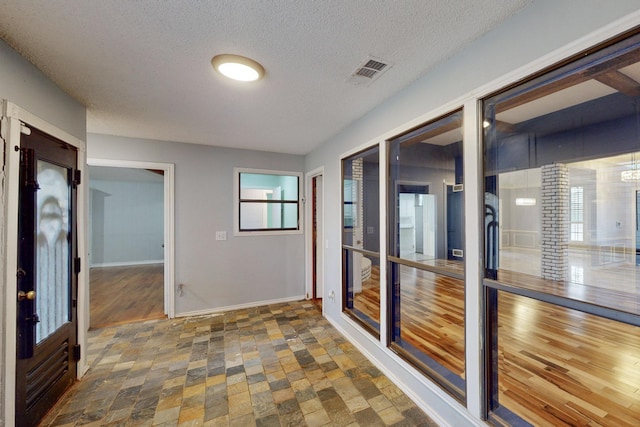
(52, 257)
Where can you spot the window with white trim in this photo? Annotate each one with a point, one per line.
(267, 202)
(577, 214)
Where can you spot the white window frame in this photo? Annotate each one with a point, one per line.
(236, 203)
(576, 206)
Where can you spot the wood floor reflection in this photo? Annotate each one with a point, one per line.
(121, 295)
(368, 302)
(562, 367)
(556, 367)
(432, 317)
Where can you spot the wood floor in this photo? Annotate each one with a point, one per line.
(122, 295)
(556, 367)
(561, 367)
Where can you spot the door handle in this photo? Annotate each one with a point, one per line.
(35, 319)
(30, 295)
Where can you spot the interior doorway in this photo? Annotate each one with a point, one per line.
(315, 237)
(130, 242)
(417, 210)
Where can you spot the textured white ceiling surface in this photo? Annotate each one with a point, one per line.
(142, 68)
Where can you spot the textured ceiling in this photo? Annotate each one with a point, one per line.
(142, 68)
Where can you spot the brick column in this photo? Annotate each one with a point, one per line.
(555, 221)
(358, 175)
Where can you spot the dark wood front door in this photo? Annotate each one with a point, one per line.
(47, 350)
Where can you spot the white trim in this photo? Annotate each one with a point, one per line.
(12, 110)
(127, 263)
(236, 202)
(11, 134)
(473, 317)
(308, 238)
(219, 310)
(385, 297)
(169, 220)
(12, 116)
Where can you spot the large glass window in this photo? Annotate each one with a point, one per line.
(426, 250)
(268, 201)
(562, 240)
(361, 238)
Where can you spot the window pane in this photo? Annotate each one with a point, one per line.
(561, 220)
(426, 230)
(428, 324)
(54, 248)
(562, 170)
(426, 187)
(268, 216)
(257, 186)
(362, 282)
(360, 238)
(557, 366)
(361, 201)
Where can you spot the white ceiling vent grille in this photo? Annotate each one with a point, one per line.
(369, 70)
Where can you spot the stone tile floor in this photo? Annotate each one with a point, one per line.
(276, 365)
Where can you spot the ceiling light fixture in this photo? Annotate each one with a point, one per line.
(525, 201)
(237, 67)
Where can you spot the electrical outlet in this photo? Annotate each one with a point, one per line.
(221, 235)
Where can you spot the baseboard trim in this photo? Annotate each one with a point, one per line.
(127, 264)
(218, 310)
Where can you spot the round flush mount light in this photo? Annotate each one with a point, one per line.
(237, 67)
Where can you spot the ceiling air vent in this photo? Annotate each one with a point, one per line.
(368, 71)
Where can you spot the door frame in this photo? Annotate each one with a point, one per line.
(169, 221)
(308, 206)
(396, 198)
(12, 119)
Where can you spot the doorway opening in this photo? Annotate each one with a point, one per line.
(315, 239)
(418, 222)
(130, 242)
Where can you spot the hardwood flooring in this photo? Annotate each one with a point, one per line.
(561, 367)
(432, 318)
(121, 295)
(556, 366)
(368, 301)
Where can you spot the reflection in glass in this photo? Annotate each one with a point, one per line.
(558, 366)
(53, 264)
(568, 143)
(362, 282)
(430, 325)
(360, 237)
(427, 190)
(426, 224)
(570, 139)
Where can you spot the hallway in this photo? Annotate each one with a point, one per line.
(277, 365)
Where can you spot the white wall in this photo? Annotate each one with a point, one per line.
(127, 222)
(217, 274)
(536, 31)
(25, 86)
